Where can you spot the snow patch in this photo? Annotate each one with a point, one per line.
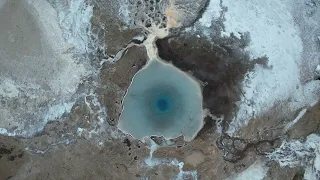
(8, 88)
(218, 120)
(305, 95)
(4, 131)
(45, 79)
(27, 128)
(318, 68)
(151, 162)
(297, 153)
(56, 111)
(124, 12)
(212, 12)
(257, 171)
(67, 80)
(273, 34)
(36, 150)
(2, 2)
(99, 124)
(290, 124)
(80, 131)
(313, 172)
(74, 19)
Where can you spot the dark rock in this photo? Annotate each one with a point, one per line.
(127, 142)
(240, 144)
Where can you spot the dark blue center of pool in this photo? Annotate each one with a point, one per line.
(162, 105)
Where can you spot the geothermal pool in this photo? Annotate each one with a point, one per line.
(162, 101)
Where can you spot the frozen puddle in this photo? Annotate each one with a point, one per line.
(37, 77)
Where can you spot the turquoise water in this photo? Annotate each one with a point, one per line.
(162, 104)
(162, 101)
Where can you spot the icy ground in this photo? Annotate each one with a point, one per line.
(286, 33)
(257, 171)
(295, 153)
(275, 34)
(40, 78)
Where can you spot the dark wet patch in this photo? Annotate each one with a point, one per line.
(221, 68)
(10, 152)
(127, 142)
(12, 156)
(4, 150)
(207, 128)
(133, 147)
(299, 175)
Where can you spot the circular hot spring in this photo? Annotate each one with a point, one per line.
(162, 101)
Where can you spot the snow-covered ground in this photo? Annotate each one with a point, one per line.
(257, 171)
(295, 153)
(278, 35)
(273, 34)
(212, 11)
(151, 162)
(38, 73)
(286, 32)
(74, 19)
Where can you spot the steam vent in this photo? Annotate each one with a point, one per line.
(162, 101)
